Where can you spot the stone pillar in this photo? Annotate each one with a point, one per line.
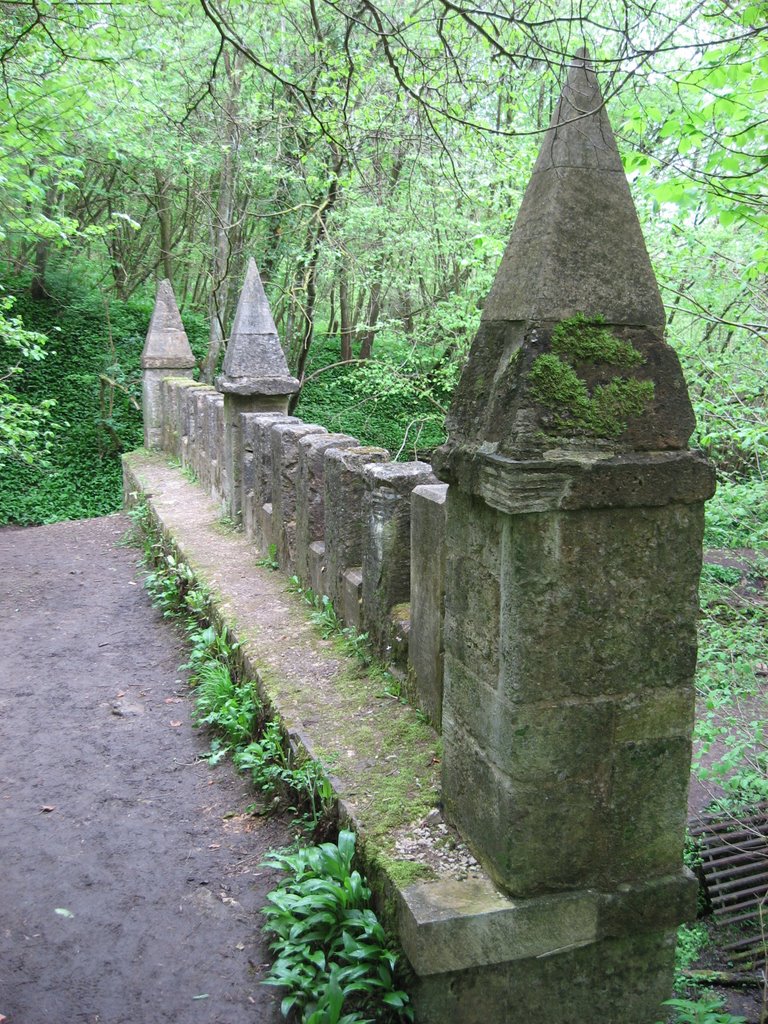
(254, 378)
(285, 439)
(166, 353)
(574, 534)
(310, 504)
(387, 543)
(345, 488)
(425, 647)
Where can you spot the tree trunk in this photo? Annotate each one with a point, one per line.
(347, 324)
(314, 243)
(222, 223)
(37, 287)
(162, 185)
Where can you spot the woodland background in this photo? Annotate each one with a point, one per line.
(371, 157)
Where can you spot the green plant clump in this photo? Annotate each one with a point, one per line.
(332, 953)
(555, 383)
(224, 703)
(691, 940)
(704, 1011)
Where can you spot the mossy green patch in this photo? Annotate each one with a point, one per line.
(555, 383)
(587, 339)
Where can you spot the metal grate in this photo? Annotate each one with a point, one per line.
(734, 854)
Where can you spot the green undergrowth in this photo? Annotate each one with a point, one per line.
(332, 955)
(92, 376)
(706, 1010)
(397, 400)
(226, 704)
(731, 681)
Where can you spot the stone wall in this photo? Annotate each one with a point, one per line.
(366, 532)
(558, 551)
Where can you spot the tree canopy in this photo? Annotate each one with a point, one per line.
(371, 156)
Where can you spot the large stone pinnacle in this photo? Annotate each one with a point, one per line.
(577, 244)
(570, 357)
(255, 363)
(166, 345)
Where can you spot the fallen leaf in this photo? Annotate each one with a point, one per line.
(121, 694)
(240, 945)
(175, 725)
(47, 808)
(63, 912)
(214, 846)
(173, 700)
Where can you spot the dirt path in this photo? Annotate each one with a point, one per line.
(127, 893)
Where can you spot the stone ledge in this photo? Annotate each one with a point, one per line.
(569, 483)
(455, 925)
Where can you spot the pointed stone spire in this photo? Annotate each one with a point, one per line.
(254, 363)
(577, 244)
(166, 345)
(570, 355)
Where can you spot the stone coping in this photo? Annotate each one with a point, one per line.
(383, 762)
(569, 482)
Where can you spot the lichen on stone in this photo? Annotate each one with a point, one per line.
(555, 384)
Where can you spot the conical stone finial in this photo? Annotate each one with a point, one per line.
(166, 345)
(570, 355)
(255, 363)
(577, 244)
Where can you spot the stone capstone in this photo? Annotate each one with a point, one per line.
(254, 363)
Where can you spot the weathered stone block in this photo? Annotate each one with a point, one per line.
(344, 489)
(310, 504)
(352, 597)
(532, 839)
(450, 926)
(555, 688)
(153, 400)
(387, 541)
(619, 981)
(425, 644)
(201, 459)
(316, 560)
(285, 439)
(235, 406)
(215, 425)
(265, 523)
(256, 480)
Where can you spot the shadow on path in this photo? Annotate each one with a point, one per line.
(127, 891)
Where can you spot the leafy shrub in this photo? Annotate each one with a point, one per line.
(93, 375)
(332, 952)
(394, 401)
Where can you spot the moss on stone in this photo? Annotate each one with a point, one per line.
(587, 339)
(555, 384)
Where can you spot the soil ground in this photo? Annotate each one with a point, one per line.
(130, 882)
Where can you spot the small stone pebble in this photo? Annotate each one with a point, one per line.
(434, 843)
